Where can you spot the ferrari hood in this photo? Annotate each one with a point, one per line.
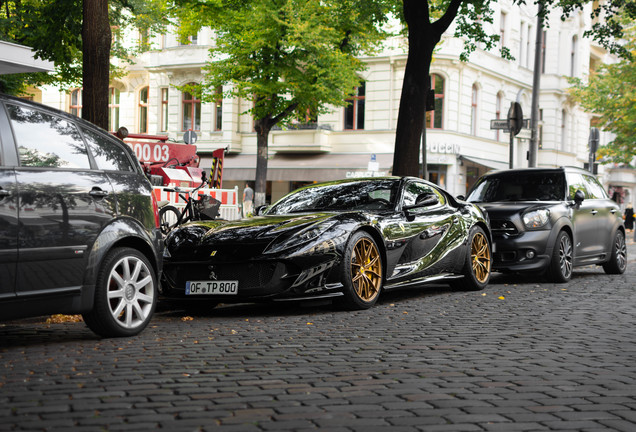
(244, 237)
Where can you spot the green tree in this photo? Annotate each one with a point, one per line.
(610, 94)
(290, 58)
(427, 20)
(76, 36)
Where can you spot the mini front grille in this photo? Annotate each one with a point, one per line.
(502, 226)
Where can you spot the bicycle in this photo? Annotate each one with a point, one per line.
(203, 208)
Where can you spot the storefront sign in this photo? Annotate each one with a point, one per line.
(442, 148)
(362, 174)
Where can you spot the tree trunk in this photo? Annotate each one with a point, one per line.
(96, 41)
(423, 37)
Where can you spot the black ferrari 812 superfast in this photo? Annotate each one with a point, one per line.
(347, 239)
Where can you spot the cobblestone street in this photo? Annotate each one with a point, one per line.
(522, 355)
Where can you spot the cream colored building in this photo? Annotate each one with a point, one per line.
(360, 141)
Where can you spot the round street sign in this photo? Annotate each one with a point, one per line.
(190, 137)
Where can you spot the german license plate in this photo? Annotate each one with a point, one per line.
(212, 287)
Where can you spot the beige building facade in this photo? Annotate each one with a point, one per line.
(359, 140)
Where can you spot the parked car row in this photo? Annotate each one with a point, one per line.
(80, 232)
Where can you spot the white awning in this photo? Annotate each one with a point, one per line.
(319, 167)
(16, 58)
(489, 163)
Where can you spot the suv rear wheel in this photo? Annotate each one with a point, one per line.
(125, 294)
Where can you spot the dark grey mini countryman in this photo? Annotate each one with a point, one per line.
(79, 225)
(551, 220)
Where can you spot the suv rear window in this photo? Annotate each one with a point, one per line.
(107, 154)
(514, 186)
(46, 140)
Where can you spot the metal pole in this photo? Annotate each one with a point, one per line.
(423, 170)
(536, 84)
(512, 149)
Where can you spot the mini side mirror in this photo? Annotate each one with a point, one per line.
(579, 196)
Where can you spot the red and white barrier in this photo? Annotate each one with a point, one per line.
(229, 210)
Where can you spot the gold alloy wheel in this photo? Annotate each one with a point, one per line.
(366, 269)
(480, 257)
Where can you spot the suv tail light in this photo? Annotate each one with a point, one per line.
(155, 210)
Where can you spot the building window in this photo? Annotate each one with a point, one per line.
(354, 111)
(473, 110)
(502, 30)
(192, 40)
(218, 109)
(113, 109)
(543, 49)
(76, 102)
(522, 43)
(143, 110)
(498, 108)
(529, 47)
(191, 108)
(434, 118)
(575, 42)
(564, 130)
(164, 109)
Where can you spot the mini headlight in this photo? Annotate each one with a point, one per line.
(536, 218)
(303, 236)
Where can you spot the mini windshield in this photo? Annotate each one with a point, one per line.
(341, 196)
(519, 186)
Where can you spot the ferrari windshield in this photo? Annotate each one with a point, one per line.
(514, 186)
(339, 196)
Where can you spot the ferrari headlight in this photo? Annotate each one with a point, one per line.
(306, 235)
(536, 218)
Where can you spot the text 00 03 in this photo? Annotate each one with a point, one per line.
(211, 287)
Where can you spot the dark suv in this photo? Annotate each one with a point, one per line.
(551, 219)
(79, 225)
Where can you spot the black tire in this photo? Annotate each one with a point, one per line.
(478, 262)
(168, 218)
(361, 272)
(618, 258)
(560, 267)
(125, 294)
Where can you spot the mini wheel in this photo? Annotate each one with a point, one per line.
(560, 267)
(125, 294)
(361, 272)
(618, 258)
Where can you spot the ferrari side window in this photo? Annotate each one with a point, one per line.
(415, 190)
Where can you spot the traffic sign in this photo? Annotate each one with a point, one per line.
(503, 124)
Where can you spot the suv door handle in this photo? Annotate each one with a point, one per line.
(613, 211)
(98, 193)
(594, 212)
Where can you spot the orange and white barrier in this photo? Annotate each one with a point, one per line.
(229, 210)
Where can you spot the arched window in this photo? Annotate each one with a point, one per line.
(113, 109)
(164, 109)
(143, 110)
(434, 119)
(354, 111)
(473, 109)
(75, 107)
(191, 108)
